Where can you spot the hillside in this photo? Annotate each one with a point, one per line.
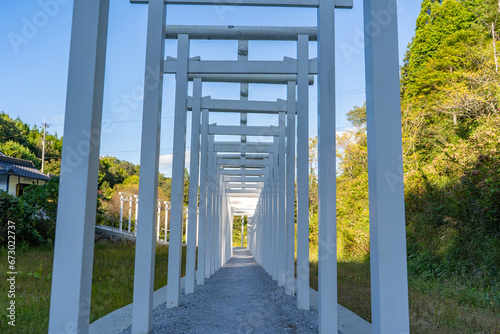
(450, 89)
(19, 140)
(451, 128)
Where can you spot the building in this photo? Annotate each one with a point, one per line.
(16, 174)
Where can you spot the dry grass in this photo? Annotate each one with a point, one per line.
(445, 306)
(112, 283)
(454, 305)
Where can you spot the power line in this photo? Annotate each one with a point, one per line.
(134, 151)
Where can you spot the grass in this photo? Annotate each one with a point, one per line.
(453, 305)
(237, 239)
(438, 306)
(112, 283)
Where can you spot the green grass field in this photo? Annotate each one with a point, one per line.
(454, 305)
(437, 306)
(112, 283)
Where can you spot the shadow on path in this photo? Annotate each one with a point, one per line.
(239, 298)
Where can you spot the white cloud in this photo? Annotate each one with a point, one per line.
(166, 163)
(58, 118)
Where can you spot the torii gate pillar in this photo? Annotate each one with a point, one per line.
(389, 285)
(76, 212)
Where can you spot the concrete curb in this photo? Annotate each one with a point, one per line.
(348, 321)
(121, 319)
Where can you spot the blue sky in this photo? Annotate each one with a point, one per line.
(34, 53)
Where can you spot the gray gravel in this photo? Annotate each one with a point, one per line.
(239, 298)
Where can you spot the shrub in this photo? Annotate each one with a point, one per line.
(25, 218)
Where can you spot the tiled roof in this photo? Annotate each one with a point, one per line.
(21, 167)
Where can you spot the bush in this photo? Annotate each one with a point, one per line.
(25, 217)
(34, 213)
(44, 197)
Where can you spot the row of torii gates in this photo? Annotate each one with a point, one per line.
(254, 179)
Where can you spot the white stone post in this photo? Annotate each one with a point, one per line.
(209, 226)
(203, 230)
(281, 201)
(136, 197)
(166, 221)
(275, 219)
(327, 214)
(121, 212)
(142, 308)
(177, 206)
(389, 285)
(193, 188)
(303, 174)
(158, 216)
(290, 190)
(76, 211)
(130, 203)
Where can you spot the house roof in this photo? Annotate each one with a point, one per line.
(20, 167)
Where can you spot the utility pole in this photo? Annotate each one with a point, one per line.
(45, 126)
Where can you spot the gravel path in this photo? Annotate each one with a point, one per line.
(239, 298)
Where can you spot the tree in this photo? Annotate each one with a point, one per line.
(53, 167)
(9, 129)
(352, 150)
(16, 150)
(357, 116)
(114, 171)
(448, 78)
(31, 138)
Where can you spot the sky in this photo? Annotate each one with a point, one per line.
(34, 55)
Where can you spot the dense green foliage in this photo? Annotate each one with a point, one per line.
(352, 189)
(450, 76)
(19, 140)
(32, 225)
(451, 127)
(450, 89)
(44, 197)
(113, 171)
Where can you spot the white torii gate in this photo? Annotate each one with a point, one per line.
(73, 256)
